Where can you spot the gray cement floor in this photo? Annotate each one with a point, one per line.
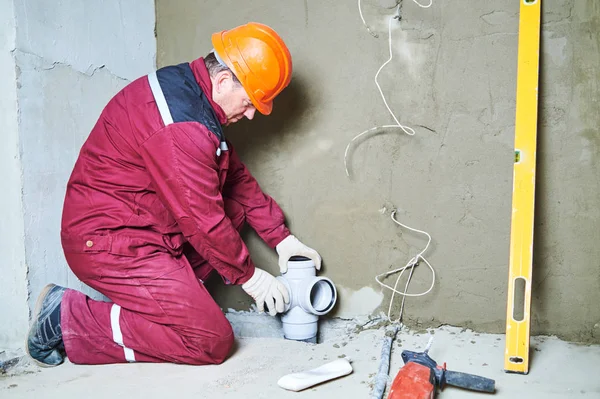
(558, 370)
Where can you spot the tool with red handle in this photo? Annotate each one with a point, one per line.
(421, 375)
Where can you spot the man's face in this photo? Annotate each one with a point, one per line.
(232, 97)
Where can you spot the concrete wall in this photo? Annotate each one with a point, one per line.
(453, 79)
(13, 284)
(65, 62)
(72, 57)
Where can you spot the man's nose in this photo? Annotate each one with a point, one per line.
(250, 113)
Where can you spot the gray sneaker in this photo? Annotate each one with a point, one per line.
(44, 341)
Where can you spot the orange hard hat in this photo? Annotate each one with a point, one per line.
(259, 59)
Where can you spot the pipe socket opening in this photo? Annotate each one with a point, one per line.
(322, 296)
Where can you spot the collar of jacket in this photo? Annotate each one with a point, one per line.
(203, 79)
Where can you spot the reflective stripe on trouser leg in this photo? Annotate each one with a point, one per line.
(115, 314)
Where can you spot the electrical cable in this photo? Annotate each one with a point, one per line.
(413, 262)
(365, 22)
(405, 129)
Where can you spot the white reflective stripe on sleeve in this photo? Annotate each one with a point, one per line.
(222, 147)
(159, 97)
(115, 315)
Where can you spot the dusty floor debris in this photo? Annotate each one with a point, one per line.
(558, 370)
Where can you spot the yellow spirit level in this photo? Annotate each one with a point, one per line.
(516, 355)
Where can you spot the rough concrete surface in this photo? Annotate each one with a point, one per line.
(115, 34)
(13, 284)
(453, 79)
(71, 58)
(65, 107)
(558, 370)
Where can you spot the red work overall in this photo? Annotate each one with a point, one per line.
(151, 209)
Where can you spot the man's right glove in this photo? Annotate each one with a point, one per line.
(266, 289)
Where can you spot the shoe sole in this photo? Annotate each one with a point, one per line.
(36, 312)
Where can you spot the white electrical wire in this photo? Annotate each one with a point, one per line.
(365, 22)
(422, 6)
(411, 264)
(405, 129)
(387, 341)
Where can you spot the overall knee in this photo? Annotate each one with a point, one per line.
(223, 345)
(213, 347)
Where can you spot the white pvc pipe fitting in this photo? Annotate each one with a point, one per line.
(310, 297)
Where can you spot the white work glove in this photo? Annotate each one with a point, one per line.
(266, 289)
(291, 246)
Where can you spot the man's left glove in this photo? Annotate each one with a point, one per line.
(291, 246)
(267, 290)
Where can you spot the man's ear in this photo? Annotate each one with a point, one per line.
(223, 82)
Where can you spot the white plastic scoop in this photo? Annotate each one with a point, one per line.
(306, 379)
